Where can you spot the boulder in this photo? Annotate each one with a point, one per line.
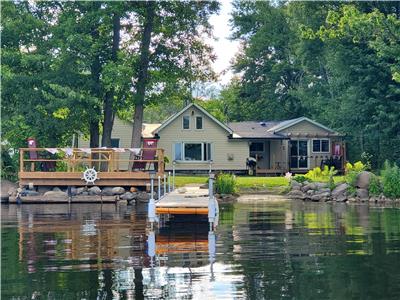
(340, 189)
(362, 194)
(320, 196)
(294, 183)
(296, 187)
(123, 202)
(309, 186)
(143, 197)
(133, 190)
(118, 190)
(7, 188)
(80, 190)
(29, 193)
(107, 191)
(74, 191)
(341, 197)
(94, 190)
(56, 189)
(324, 190)
(310, 192)
(128, 196)
(43, 189)
(363, 180)
(321, 185)
(296, 194)
(55, 195)
(85, 193)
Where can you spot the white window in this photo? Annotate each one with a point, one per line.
(186, 122)
(192, 151)
(199, 122)
(320, 145)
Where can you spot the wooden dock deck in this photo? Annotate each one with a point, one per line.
(184, 201)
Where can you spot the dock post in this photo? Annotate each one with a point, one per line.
(173, 175)
(169, 182)
(211, 202)
(151, 247)
(152, 205)
(159, 187)
(211, 252)
(165, 184)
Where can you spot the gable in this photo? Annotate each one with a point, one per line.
(191, 110)
(305, 126)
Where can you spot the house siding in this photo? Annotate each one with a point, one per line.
(223, 148)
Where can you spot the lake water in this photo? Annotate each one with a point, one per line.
(260, 250)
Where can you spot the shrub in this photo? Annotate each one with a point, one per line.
(317, 174)
(9, 164)
(375, 188)
(391, 180)
(352, 172)
(300, 178)
(225, 184)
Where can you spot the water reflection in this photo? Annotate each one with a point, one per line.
(260, 250)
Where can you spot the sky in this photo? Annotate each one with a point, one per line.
(224, 49)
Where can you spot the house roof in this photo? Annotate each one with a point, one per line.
(252, 129)
(288, 123)
(175, 116)
(147, 129)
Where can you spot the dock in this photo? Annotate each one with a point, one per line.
(184, 201)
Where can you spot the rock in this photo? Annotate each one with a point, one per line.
(29, 193)
(55, 195)
(321, 185)
(324, 190)
(123, 202)
(118, 190)
(296, 187)
(363, 180)
(340, 189)
(320, 196)
(107, 191)
(74, 191)
(43, 189)
(296, 194)
(56, 189)
(309, 186)
(80, 190)
(352, 199)
(362, 194)
(310, 192)
(294, 183)
(341, 197)
(7, 188)
(133, 190)
(94, 190)
(143, 197)
(85, 193)
(128, 196)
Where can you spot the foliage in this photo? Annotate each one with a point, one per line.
(300, 178)
(375, 186)
(317, 174)
(225, 184)
(9, 164)
(391, 180)
(352, 171)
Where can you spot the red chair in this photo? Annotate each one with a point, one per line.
(147, 154)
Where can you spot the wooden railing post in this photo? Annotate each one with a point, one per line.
(161, 166)
(21, 160)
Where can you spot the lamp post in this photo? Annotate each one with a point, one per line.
(169, 182)
(211, 202)
(159, 187)
(152, 204)
(173, 174)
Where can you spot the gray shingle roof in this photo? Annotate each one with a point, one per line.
(251, 129)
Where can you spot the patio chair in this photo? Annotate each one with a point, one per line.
(148, 153)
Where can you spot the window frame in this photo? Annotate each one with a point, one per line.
(183, 122)
(201, 118)
(204, 145)
(320, 145)
(119, 142)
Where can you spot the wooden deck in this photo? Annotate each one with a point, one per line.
(187, 201)
(40, 168)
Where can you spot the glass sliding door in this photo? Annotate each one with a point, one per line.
(299, 154)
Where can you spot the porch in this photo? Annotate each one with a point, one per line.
(65, 166)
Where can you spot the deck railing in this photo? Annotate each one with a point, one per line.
(102, 159)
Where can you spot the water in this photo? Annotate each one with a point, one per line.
(263, 250)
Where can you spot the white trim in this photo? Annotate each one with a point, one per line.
(192, 161)
(293, 122)
(320, 144)
(308, 154)
(174, 117)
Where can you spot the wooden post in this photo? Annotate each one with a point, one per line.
(161, 166)
(21, 160)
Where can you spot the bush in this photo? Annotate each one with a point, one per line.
(375, 188)
(225, 184)
(352, 172)
(9, 164)
(317, 174)
(391, 180)
(300, 178)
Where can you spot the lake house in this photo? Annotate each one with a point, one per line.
(195, 141)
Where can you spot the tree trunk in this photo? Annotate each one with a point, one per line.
(108, 112)
(94, 134)
(142, 77)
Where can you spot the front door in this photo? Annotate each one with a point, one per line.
(299, 154)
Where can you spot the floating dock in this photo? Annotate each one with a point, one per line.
(184, 201)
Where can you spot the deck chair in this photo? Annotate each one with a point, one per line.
(148, 153)
(34, 155)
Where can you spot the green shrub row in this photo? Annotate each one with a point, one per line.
(225, 184)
